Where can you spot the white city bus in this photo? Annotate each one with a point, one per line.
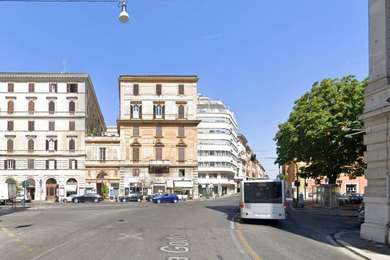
(262, 199)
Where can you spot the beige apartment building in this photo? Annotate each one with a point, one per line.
(44, 121)
(158, 134)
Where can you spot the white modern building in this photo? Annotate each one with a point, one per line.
(44, 120)
(218, 149)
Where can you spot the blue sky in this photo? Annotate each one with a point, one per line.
(257, 56)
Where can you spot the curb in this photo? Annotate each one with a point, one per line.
(348, 246)
(359, 252)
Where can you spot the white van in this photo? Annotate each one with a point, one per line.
(3, 193)
(262, 199)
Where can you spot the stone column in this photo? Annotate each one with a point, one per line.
(376, 119)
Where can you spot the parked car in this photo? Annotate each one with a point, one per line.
(343, 199)
(69, 198)
(182, 197)
(89, 197)
(150, 197)
(355, 198)
(136, 197)
(165, 198)
(21, 197)
(361, 213)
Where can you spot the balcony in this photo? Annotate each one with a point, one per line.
(159, 166)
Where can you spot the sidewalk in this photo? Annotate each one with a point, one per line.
(346, 211)
(366, 249)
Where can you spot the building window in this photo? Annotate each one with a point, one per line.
(10, 87)
(181, 154)
(181, 89)
(135, 89)
(71, 88)
(30, 164)
(181, 131)
(53, 87)
(10, 145)
(10, 125)
(135, 130)
(135, 172)
(51, 165)
(136, 154)
(72, 145)
(52, 107)
(72, 126)
(10, 107)
(159, 131)
(158, 111)
(51, 145)
(31, 107)
(31, 87)
(72, 107)
(159, 153)
(73, 164)
(182, 172)
(136, 111)
(180, 111)
(30, 145)
(9, 164)
(52, 125)
(158, 89)
(31, 126)
(102, 154)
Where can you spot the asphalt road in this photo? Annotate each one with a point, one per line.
(188, 230)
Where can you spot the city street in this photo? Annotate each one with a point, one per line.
(188, 230)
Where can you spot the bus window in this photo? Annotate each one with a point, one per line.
(263, 192)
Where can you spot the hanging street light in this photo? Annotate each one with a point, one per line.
(123, 16)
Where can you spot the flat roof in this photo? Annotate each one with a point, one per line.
(159, 78)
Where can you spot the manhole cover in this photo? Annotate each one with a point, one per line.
(121, 220)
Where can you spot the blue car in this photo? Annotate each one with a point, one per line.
(172, 198)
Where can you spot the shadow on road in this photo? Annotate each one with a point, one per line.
(303, 223)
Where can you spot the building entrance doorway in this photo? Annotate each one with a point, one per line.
(51, 190)
(30, 189)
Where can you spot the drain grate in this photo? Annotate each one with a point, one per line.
(121, 220)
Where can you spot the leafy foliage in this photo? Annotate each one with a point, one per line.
(314, 132)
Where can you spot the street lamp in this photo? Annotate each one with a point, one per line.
(123, 16)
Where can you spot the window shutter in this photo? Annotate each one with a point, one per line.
(55, 164)
(140, 111)
(131, 111)
(163, 111)
(181, 154)
(135, 154)
(47, 164)
(47, 145)
(5, 165)
(158, 153)
(55, 145)
(70, 164)
(75, 164)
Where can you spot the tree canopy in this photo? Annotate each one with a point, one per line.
(315, 130)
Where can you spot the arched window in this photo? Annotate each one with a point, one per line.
(71, 145)
(180, 111)
(52, 107)
(10, 107)
(72, 107)
(30, 145)
(31, 107)
(10, 145)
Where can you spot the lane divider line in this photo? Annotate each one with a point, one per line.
(243, 243)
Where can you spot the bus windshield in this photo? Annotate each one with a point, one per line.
(263, 192)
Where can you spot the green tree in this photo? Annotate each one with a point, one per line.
(315, 130)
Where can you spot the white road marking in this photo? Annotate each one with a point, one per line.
(235, 241)
(137, 236)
